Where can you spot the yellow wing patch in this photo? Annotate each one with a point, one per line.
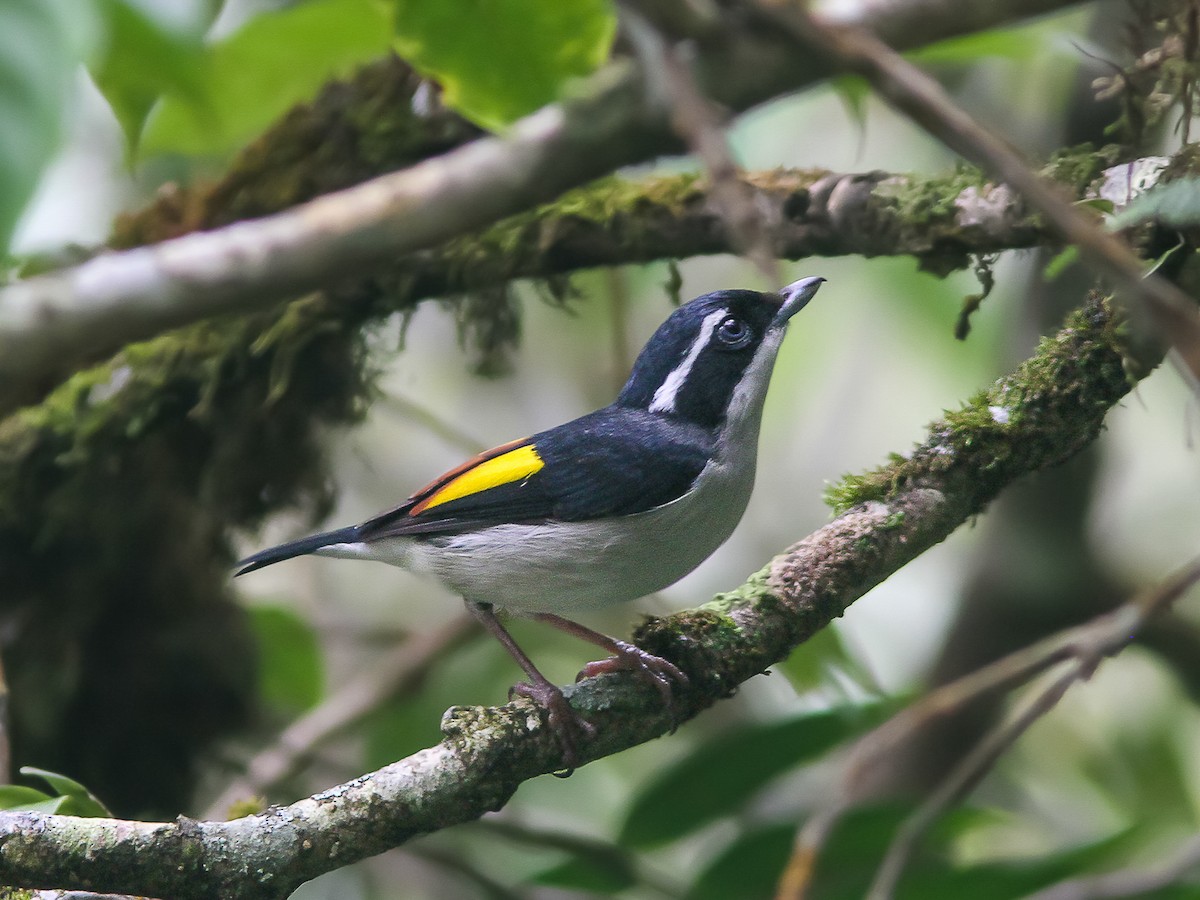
(503, 469)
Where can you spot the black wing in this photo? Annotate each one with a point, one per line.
(616, 461)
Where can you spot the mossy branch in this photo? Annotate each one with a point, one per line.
(1054, 405)
(53, 323)
(213, 427)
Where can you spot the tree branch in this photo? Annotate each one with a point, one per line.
(1054, 405)
(1172, 312)
(51, 324)
(1085, 647)
(400, 671)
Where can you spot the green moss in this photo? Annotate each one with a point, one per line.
(118, 492)
(516, 245)
(757, 585)
(921, 202)
(1077, 167)
(250, 806)
(852, 489)
(1017, 424)
(707, 623)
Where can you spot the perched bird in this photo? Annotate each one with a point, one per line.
(609, 507)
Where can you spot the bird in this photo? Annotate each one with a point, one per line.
(606, 508)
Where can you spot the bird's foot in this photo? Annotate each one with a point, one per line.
(661, 673)
(568, 726)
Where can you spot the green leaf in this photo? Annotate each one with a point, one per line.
(17, 796)
(37, 63)
(854, 92)
(1006, 43)
(1175, 204)
(63, 784)
(496, 61)
(74, 799)
(810, 665)
(852, 853)
(270, 64)
(748, 868)
(1060, 261)
(290, 670)
(1017, 878)
(141, 61)
(588, 873)
(719, 777)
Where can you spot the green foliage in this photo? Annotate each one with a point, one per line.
(71, 797)
(588, 869)
(1005, 43)
(497, 62)
(716, 778)
(142, 60)
(748, 867)
(855, 93)
(938, 879)
(1175, 204)
(811, 665)
(290, 671)
(1060, 262)
(255, 74)
(38, 55)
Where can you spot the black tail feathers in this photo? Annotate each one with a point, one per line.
(297, 548)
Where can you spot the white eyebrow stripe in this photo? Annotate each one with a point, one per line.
(668, 391)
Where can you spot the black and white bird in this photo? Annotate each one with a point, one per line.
(606, 508)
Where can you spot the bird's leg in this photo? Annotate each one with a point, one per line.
(625, 657)
(564, 721)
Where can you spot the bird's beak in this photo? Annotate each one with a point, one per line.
(796, 296)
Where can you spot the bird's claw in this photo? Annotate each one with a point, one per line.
(567, 725)
(662, 673)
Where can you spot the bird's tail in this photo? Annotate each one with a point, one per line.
(297, 548)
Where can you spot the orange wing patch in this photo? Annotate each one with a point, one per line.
(490, 472)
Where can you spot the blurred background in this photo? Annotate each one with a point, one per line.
(1110, 778)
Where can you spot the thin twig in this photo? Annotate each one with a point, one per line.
(875, 746)
(439, 426)
(398, 673)
(1103, 638)
(699, 122)
(964, 777)
(1103, 635)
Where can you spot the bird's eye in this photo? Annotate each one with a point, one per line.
(733, 333)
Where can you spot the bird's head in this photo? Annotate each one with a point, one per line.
(691, 368)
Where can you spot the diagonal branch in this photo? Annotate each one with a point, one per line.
(1055, 404)
(52, 324)
(919, 96)
(1086, 647)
